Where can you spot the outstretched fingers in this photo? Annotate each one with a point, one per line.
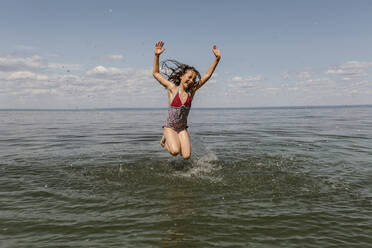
(159, 44)
(159, 47)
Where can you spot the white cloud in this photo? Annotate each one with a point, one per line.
(336, 71)
(137, 77)
(303, 75)
(246, 79)
(41, 82)
(350, 69)
(26, 75)
(32, 81)
(355, 64)
(41, 91)
(62, 66)
(238, 83)
(115, 57)
(345, 83)
(33, 62)
(109, 71)
(352, 72)
(101, 70)
(14, 63)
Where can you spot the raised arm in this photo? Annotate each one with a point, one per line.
(211, 68)
(155, 72)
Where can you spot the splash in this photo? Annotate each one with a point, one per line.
(203, 167)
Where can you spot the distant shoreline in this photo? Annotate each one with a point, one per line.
(195, 108)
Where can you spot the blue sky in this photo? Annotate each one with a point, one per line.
(97, 54)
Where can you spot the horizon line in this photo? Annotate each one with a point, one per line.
(197, 108)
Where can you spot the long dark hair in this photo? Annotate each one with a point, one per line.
(173, 70)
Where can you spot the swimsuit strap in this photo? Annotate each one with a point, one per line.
(178, 88)
(178, 101)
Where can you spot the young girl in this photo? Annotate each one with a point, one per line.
(182, 82)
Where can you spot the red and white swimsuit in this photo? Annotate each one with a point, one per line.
(178, 112)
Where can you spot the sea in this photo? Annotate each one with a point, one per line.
(257, 177)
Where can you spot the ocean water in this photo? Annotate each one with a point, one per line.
(272, 177)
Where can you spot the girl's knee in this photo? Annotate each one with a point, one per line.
(174, 151)
(186, 156)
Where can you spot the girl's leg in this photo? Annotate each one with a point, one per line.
(172, 143)
(185, 144)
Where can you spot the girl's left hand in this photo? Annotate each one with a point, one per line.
(216, 52)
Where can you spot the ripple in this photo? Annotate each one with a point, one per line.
(260, 178)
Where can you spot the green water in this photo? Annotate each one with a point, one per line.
(256, 178)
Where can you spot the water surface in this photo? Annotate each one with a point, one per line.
(281, 177)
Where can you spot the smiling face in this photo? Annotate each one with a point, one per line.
(188, 79)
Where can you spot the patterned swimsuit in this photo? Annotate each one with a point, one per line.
(178, 112)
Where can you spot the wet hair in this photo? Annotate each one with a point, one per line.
(173, 70)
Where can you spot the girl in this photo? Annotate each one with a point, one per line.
(182, 82)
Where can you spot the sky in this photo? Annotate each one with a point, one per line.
(99, 54)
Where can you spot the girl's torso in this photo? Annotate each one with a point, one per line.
(178, 111)
(178, 99)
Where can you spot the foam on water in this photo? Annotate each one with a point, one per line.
(202, 165)
(202, 168)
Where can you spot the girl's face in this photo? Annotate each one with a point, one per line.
(188, 79)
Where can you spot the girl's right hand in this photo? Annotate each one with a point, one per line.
(159, 48)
